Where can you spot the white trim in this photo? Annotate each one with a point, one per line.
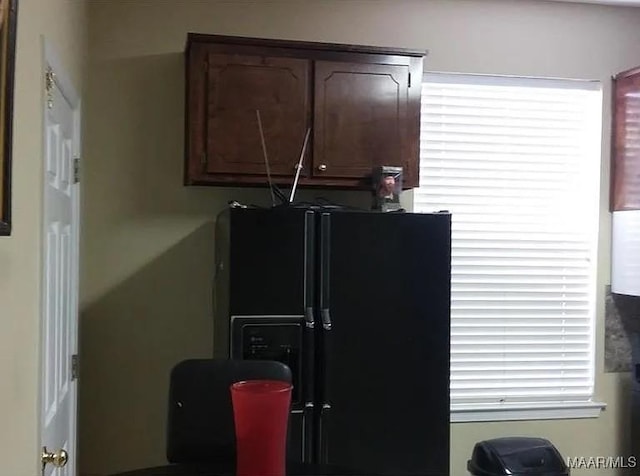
(502, 80)
(613, 3)
(522, 411)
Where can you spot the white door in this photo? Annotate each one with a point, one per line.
(60, 278)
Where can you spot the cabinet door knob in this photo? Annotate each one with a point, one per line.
(322, 167)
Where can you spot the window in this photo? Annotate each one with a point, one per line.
(516, 161)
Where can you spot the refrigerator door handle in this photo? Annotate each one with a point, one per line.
(324, 433)
(325, 253)
(307, 432)
(325, 394)
(309, 320)
(326, 319)
(308, 356)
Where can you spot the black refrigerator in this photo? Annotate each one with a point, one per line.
(357, 303)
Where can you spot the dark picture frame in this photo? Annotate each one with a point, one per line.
(8, 24)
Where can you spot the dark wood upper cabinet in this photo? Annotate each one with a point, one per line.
(362, 105)
(360, 117)
(239, 88)
(625, 161)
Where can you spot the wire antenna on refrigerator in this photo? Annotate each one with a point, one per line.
(266, 159)
(299, 166)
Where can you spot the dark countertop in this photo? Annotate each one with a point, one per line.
(207, 470)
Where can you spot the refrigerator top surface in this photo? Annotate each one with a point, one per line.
(325, 209)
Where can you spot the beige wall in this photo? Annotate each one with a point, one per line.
(63, 23)
(147, 244)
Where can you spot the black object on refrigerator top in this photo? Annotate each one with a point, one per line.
(357, 304)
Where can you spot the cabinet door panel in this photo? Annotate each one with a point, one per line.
(626, 146)
(240, 85)
(360, 117)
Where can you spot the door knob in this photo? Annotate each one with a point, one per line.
(322, 167)
(57, 458)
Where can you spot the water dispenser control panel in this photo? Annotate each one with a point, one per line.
(270, 338)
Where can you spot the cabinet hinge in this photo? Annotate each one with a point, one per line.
(409, 79)
(203, 158)
(75, 367)
(76, 169)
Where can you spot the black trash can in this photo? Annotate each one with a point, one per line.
(516, 456)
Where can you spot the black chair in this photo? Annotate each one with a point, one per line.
(200, 427)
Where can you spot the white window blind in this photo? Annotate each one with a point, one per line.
(516, 161)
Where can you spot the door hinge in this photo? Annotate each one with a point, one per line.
(49, 84)
(76, 169)
(75, 367)
(409, 79)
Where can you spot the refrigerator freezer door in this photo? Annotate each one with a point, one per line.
(271, 271)
(385, 371)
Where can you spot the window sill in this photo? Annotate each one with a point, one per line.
(525, 411)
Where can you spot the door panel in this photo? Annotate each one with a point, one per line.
(238, 86)
(388, 361)
(60, 248)
(360, 117)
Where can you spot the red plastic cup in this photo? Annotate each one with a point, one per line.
(261, 416)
